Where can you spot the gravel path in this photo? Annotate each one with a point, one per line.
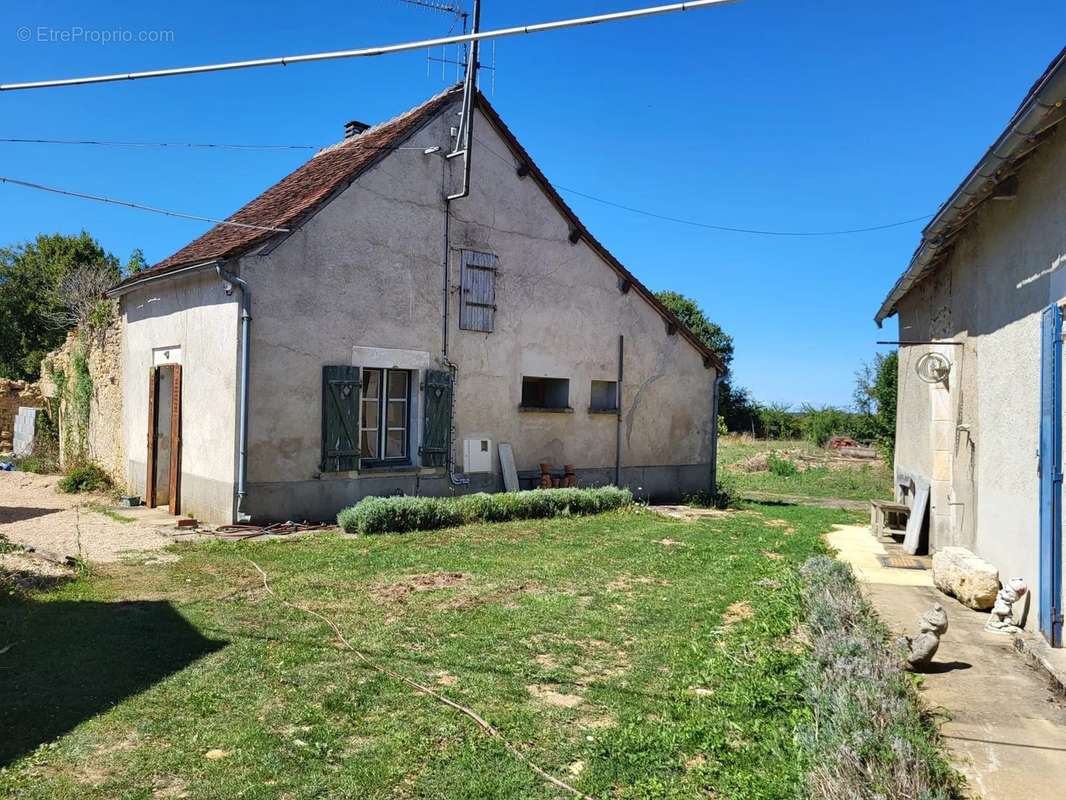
(33, 513)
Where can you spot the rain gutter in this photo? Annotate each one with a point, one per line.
(1040, 111)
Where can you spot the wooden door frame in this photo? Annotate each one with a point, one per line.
(174, 499)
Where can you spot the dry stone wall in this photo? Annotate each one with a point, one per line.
(103, 441)
(13, 395)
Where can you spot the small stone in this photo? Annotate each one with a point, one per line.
(215, 755)
(966, 577)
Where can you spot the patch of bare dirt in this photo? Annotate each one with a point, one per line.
(549, 694)
(169, 787)
(35, 514)
(770, 554)
(398, 592)
(690, 513)
(805, 460)
(444, 678)
(737, 612)
(492, 594)
(668, 542)
(624, 582)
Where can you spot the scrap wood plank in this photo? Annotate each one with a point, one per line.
(510, 474)
(913, 538)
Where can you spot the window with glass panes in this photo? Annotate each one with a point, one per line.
(385, 425)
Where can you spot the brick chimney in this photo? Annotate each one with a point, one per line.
(353, 128)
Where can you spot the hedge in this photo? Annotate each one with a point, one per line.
(401, 514)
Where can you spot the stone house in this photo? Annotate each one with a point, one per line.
(980, 371)
(353, 332)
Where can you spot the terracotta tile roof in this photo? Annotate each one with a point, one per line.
(289, 201)
(301, 192)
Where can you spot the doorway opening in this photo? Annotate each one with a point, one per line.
(163, 484)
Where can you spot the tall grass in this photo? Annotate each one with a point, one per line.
(869, 739)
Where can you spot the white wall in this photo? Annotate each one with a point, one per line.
(194, 314)
(1006, 268)
(366, 272)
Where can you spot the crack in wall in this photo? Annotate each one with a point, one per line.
(660, 371)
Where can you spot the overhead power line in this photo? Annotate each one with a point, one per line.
(128, 204)
(283, 61)
(205, 145)
(708, 225)
(753, 231)
(487, 148)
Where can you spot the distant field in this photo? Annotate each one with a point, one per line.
(818, 473)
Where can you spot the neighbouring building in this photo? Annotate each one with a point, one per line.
(980, 307)
(384, 338)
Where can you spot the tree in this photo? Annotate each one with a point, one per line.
(875, 398)
(884, 393)
(735, 404)
(31, 302)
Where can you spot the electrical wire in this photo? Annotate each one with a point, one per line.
(138, 206)
(163, 144)
(752, 231)
(505, 159)
(708, 225)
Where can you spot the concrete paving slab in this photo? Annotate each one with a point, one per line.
(1004, 725)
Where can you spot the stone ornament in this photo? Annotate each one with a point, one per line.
(1001, 620)
(931, 626)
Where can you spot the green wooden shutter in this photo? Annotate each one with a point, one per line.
(438, 418)
(340, 418)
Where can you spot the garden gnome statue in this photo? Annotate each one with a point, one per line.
(1001, 620)
(932, 625)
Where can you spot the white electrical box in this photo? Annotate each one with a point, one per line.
(477, 455)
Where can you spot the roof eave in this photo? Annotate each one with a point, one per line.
(1040, 111)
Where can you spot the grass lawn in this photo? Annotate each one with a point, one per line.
(632, 655)
(862, 482)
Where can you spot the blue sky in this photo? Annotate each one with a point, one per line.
(764, 114)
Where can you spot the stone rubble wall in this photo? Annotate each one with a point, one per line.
(104, 440)
(13, 395)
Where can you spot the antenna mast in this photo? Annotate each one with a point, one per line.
(466, 121)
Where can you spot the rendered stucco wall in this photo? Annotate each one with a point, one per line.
(977, 440)
(191, 312)
(364, 276)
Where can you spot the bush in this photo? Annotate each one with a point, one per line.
(869, 737)
(401, 514)
(86, 478)
(781, 467)
(40, 464)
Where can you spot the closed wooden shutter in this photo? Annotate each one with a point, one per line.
(340, 418)
(477, 301)
(438, 418)
(175, 440)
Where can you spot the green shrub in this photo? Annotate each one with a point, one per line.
(398, 514)
(781, 467)
(40, 464)
(401, 514)
(86, 478)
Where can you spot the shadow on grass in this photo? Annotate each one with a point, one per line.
(68, 661)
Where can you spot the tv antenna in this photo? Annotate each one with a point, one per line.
(461, 18)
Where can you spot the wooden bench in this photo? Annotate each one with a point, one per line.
(887, 518)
